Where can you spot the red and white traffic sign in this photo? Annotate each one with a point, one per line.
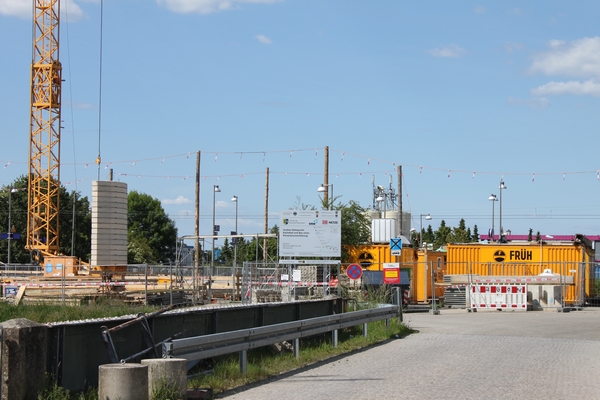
(354, 271)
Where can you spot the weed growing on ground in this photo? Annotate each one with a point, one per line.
(164, 391)
(44, 313)
(263, 363)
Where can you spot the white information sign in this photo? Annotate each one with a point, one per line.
(310, 233)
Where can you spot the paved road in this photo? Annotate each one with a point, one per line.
(491, 355)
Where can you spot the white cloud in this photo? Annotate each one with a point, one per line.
(479, 10)
(452, 50)
(179, 200)
(16, 8)
(511, 47)
(263, 39)
(589, 87)
(207, 6)
(23, 9)
(538, 103)
(580, 58)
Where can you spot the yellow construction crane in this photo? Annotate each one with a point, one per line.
(44, 140)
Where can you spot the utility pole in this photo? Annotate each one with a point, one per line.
(326, 178)
(197, 226)
(399, 199)
(265, 253)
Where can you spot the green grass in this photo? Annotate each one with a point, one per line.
(43, 313)
(264, 363)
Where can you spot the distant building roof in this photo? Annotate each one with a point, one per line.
(553, 238)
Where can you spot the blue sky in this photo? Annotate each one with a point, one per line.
(461, 94)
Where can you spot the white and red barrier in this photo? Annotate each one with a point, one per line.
(78, 284)
(498, 296)
(333, 283)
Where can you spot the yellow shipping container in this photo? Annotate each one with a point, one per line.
(526, 259)
(417, 263)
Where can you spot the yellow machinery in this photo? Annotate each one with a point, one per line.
(43, 200)
(44, 140)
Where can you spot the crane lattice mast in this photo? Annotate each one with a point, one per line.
(44, 139)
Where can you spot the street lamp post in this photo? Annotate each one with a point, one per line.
(235, 244)
(502, 187)
(324, 189)
(493, 199)
(235, 240)
(212, 255)
(427, 217)
(9, 232)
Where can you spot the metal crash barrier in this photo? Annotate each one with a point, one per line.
(206, 346)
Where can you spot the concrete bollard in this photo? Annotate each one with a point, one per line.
(123, 381)
(167, 371)
(23, 346)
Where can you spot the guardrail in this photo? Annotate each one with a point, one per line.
(206, 346)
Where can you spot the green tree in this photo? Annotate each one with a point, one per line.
(151, 234)
(441, 235)
(74, 238)
(475, 236)
(356, 228)
(226, 253)
(253, 250)
(459, 234)
(530, 235)
(429, 235)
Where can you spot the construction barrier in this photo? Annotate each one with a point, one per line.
(498, 296)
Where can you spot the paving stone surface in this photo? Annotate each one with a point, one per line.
(460, 355)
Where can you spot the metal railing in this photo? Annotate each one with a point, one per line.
(202, 347)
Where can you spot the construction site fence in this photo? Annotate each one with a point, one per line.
(268, 282)
(13, 270)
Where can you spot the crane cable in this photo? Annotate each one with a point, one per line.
(99, 159)
(74, 197)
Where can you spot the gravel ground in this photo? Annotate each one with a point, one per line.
(492, 355)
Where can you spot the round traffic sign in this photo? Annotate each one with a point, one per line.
(354, 271)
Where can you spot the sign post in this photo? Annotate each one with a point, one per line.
(354, 271)
(391, 273)
(396, 246)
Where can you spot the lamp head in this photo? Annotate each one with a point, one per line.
(492, 197)
(428, 217)
(322, 188)
(217, 190)
(234, 199)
